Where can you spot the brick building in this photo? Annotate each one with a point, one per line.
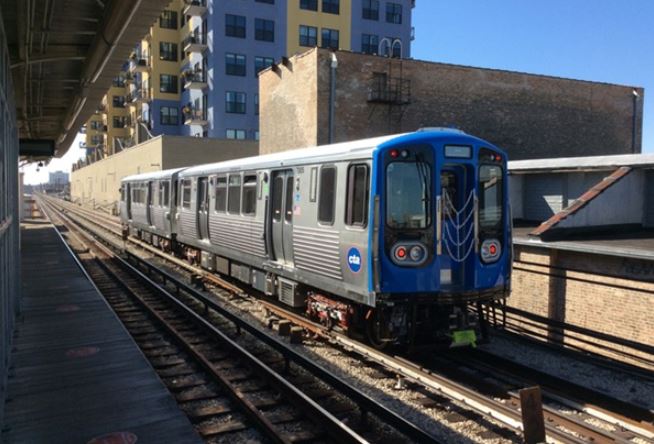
(531, 116)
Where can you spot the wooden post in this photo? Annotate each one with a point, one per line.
(533, 424)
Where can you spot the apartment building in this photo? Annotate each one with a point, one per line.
(196, 72)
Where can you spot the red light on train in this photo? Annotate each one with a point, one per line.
(394, 153)
(492, 249)
(401, 253)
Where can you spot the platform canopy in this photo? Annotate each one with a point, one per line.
(63, 57)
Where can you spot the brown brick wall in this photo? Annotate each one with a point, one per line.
(611, 295)
(530, 116)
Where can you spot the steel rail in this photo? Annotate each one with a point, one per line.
(365, 403)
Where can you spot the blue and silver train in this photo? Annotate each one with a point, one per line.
(394, 238)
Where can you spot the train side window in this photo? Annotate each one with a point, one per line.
(221, 194)
(165, 193)
(249, 204)
(313, 184)
(122, 193)
(186, 193)
(288, 216)
(234, 194)
(356, 213)
(278, 189)
(327, 195)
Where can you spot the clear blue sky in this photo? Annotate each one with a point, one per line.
(600, 40)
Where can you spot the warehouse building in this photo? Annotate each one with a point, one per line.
(530, 116)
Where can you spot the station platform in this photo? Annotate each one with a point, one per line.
(76, 375)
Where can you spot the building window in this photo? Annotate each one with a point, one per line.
(168, 83)
(310, 5)
(369, 44)
(234, 194)
(235, 26)
(235, 134)
(119, 121)
(270, 2)
(326, 195)
(261, 63)
(118, 101)
(256, 135)
(168, 20)
(331, 6)
(396, 47)
(168, 51)
(371, 9)
(394, 13)
(356, 211)
(264, 30)
(169, 115)
(256, 104)
(235, 102)
(234, 64)
(329, 38)
(308, 36)
(221, 194)
(249, 204)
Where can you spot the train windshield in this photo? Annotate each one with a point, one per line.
(490, 197)
(408, 187)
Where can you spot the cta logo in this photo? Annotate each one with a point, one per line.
(354, 259)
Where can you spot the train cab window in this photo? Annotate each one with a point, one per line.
(327, 195)
(408, 186)
(356, 213)
(234, 194)
(249, 204)
(122, 193)
(490, 197)
(164, 192)
(186, 193)
(221, 194)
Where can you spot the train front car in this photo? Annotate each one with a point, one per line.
(441, 242)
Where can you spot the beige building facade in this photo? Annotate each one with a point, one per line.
(530, 116)
(97, 184)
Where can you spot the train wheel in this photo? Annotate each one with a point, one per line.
(373, 332)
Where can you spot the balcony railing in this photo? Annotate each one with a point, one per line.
(194, 79)
(195, 7)
(140, 62)
(194, 116)
(196, 41)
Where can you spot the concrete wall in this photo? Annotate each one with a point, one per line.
(98, 184)
(611, 295)
(530, 116)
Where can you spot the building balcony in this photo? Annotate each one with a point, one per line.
(196, 41)
(194, 79)
(194, 116)
(139, 63)
(195, 7)
(138, 96)
(129, 77)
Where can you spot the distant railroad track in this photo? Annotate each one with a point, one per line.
(200, 362)
(560, 427)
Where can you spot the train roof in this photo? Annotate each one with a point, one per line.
(359, 149)
(163, 174)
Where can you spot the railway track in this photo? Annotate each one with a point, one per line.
(560, 427)
(224, 388)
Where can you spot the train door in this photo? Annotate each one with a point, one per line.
(128, 200)
(203, 208)
(457, 223)
(282, 216)
(149, 204)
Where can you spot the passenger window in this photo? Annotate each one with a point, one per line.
(278, 189)
(327, 195)
(234, 197)
(249, 204)
(186, 193)
(221, 194)
(165, 193)
(356, 212)
(288, 217)
(313, 184)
